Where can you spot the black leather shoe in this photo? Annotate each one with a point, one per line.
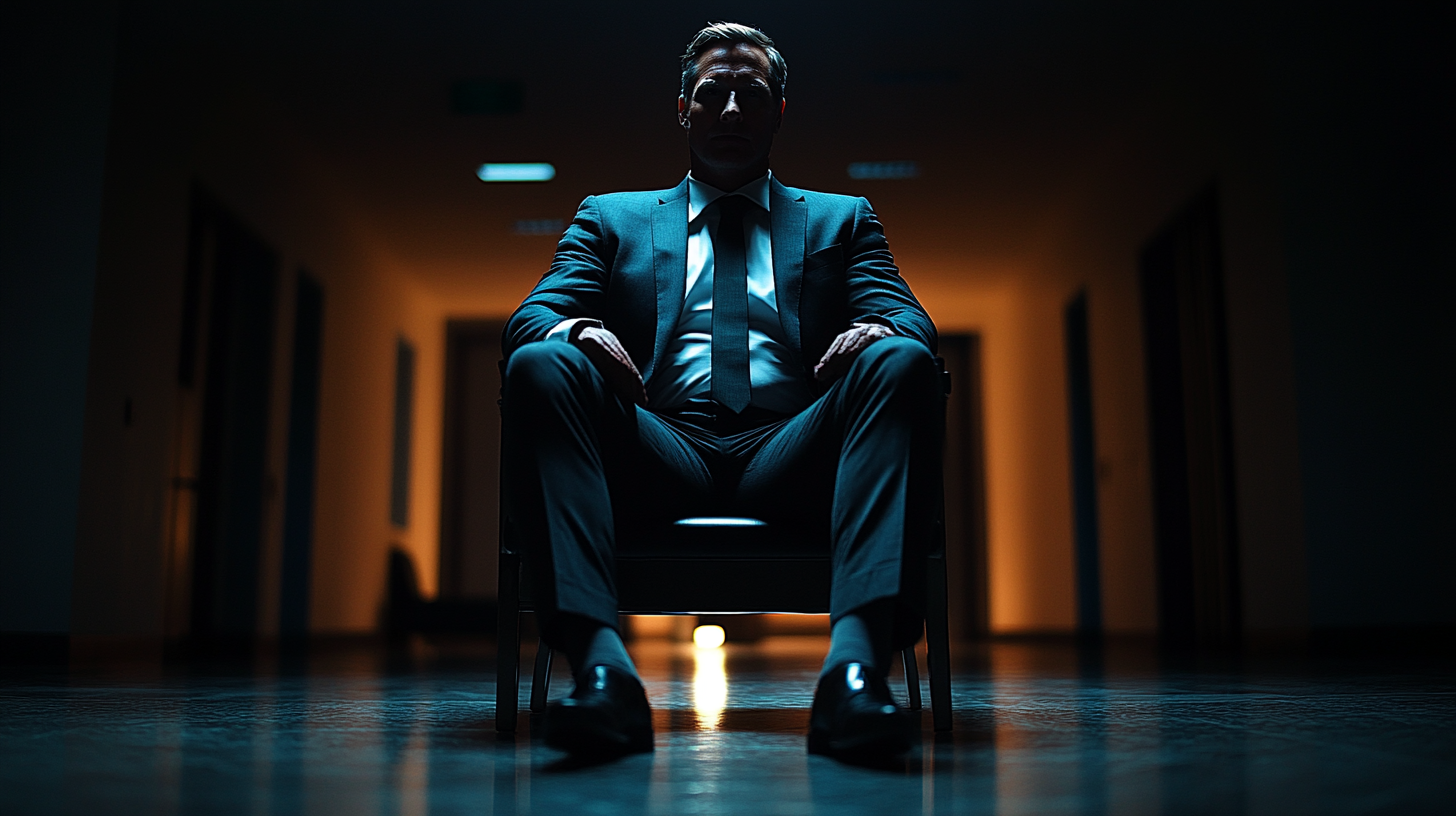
(606, 714)
(855, 716)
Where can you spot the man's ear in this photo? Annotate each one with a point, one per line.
(682, 112)
(783, 103)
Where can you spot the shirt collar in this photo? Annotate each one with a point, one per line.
(701, 194)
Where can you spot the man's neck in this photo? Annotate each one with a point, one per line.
(728, 181)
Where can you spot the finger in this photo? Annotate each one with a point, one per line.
(829, 365)
(621, 354)
(611, 349)
(869, 334)
(627, 361)
(607, 342)
(828, 354)
(593, 348)
(833, 349)
(614, 364)
(845, 349)
(590, 341)
(626, 381)
(829, 370)
(610, 342)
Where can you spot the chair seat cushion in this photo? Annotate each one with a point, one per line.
(723, 538)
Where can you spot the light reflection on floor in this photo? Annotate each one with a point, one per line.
(710, 686)
(1039, 729)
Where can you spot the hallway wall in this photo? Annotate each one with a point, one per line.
(1171, 116)
(1365, 137)
(182, 116)
(57, 63)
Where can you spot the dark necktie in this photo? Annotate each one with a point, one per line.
(730, 307)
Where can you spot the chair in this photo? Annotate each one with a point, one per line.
(718, 566)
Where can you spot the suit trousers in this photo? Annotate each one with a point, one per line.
(584, 466)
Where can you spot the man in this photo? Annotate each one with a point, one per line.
(730, 346)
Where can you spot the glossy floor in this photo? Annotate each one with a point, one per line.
(1038, 729)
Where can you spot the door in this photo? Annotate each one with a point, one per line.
(470, 506)
(220, 478)
(1181, 278)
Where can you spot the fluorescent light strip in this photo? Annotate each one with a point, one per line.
(719, 521)
(521, 171)
(884, 170)
(540, 226)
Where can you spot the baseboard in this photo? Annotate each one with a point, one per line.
(39, 649)
(99, 651)
(1366, 641)
(1361, 641)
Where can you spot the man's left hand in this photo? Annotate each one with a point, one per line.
(846, 347)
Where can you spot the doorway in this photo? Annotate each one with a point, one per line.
(470, 484)
(1181, 278)
(221, 484)
(1082, 433)
(965, 489)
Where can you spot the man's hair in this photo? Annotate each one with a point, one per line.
(720, 34)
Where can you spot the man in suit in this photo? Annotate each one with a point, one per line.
(731, 346)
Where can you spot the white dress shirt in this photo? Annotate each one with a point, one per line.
(775, 376)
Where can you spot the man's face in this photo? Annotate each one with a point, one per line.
(732, 115)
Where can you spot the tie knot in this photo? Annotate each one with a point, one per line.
(732, 206)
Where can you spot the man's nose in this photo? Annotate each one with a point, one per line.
(730, 108)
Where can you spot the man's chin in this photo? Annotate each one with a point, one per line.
(730, 143)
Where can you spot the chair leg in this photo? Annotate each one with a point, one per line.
(937, 643)
(541, 678)
(912, 677)
(508, 644)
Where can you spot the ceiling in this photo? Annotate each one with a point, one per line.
(1006, 106)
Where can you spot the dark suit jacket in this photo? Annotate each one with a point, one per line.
(623, 261)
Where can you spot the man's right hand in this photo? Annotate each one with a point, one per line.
(606, 353)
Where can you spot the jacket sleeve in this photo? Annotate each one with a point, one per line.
(574, 286)
(877, 292)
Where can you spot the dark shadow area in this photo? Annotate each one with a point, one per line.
(410, 613)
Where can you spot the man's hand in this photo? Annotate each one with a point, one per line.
(845, 348)
(606, 352)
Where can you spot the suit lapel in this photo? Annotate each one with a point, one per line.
(669, 265)
(787, 216)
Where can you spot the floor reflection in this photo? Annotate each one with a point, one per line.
(1038, 729)
(710, 686)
